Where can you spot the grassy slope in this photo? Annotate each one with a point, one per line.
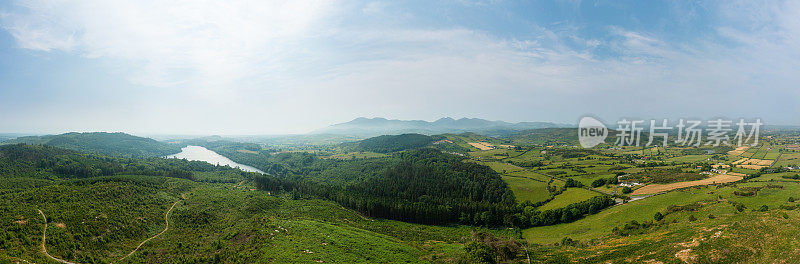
(106, 219)
(750, 236)
(601, 224)
(569, 196)
(526, 189)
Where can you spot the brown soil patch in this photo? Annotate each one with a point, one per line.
(686, 255)
(720, 166)
(60, 225)
(752, 167)
(657, 188)
(738, 151)
(740, 161)
(737, 174)
(759, 162)
(482, 145)
(21, 222)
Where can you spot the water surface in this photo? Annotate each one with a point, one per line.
(204, 154)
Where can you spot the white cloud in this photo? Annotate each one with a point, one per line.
(296, 63)
(206, 43)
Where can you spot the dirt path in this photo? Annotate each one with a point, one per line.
(656, 188)
(44, 239)
(166, 219)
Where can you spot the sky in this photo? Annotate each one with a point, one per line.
(280, 67)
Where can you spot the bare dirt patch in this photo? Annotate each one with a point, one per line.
(481, 145)
(740, 161)
(738, 151)
(657, 188)
(686, 255)
(60, 225)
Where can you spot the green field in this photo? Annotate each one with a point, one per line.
(569, 196)
(526, 189)
(596, 226)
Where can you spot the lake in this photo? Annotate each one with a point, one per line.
(204, 154)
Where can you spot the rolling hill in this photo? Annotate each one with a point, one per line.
(112, 144)
(381, 126)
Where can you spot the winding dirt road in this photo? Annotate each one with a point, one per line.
(166, 219)
(44, 239)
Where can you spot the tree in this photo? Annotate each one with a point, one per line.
(626, 190)
(658, 216)
(572, 183)
(598, 183)
(477, 252)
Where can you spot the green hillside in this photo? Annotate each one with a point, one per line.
(112, 144)
(389, 143)
(102, 218)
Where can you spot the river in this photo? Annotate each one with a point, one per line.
(204, 154)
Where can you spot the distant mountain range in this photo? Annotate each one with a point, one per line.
(381, 126)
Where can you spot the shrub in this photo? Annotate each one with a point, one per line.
(658, 216)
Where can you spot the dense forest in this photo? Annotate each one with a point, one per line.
(110, 144)
(36, 161)
(422, 186)
(394, 143)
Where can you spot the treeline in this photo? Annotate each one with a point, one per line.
(35, 161)
(567, 214)
(430, 187)
(423, 186)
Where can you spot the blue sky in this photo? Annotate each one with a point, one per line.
(273, 67)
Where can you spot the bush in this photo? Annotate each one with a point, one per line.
(566, 241)
(626, 190)
(573, 183)
(477, 252)
(658, 216)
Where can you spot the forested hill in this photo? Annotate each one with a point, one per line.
(422, 186)
(111, 144)
(42, 161)
(390, 143)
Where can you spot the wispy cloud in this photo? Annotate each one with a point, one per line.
(353, 59)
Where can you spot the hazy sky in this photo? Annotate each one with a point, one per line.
(269, 67)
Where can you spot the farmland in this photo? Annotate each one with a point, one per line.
(553, 200)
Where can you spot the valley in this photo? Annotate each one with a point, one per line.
(411, 198)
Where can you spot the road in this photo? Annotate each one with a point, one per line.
(44, 239)
(166, 219)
